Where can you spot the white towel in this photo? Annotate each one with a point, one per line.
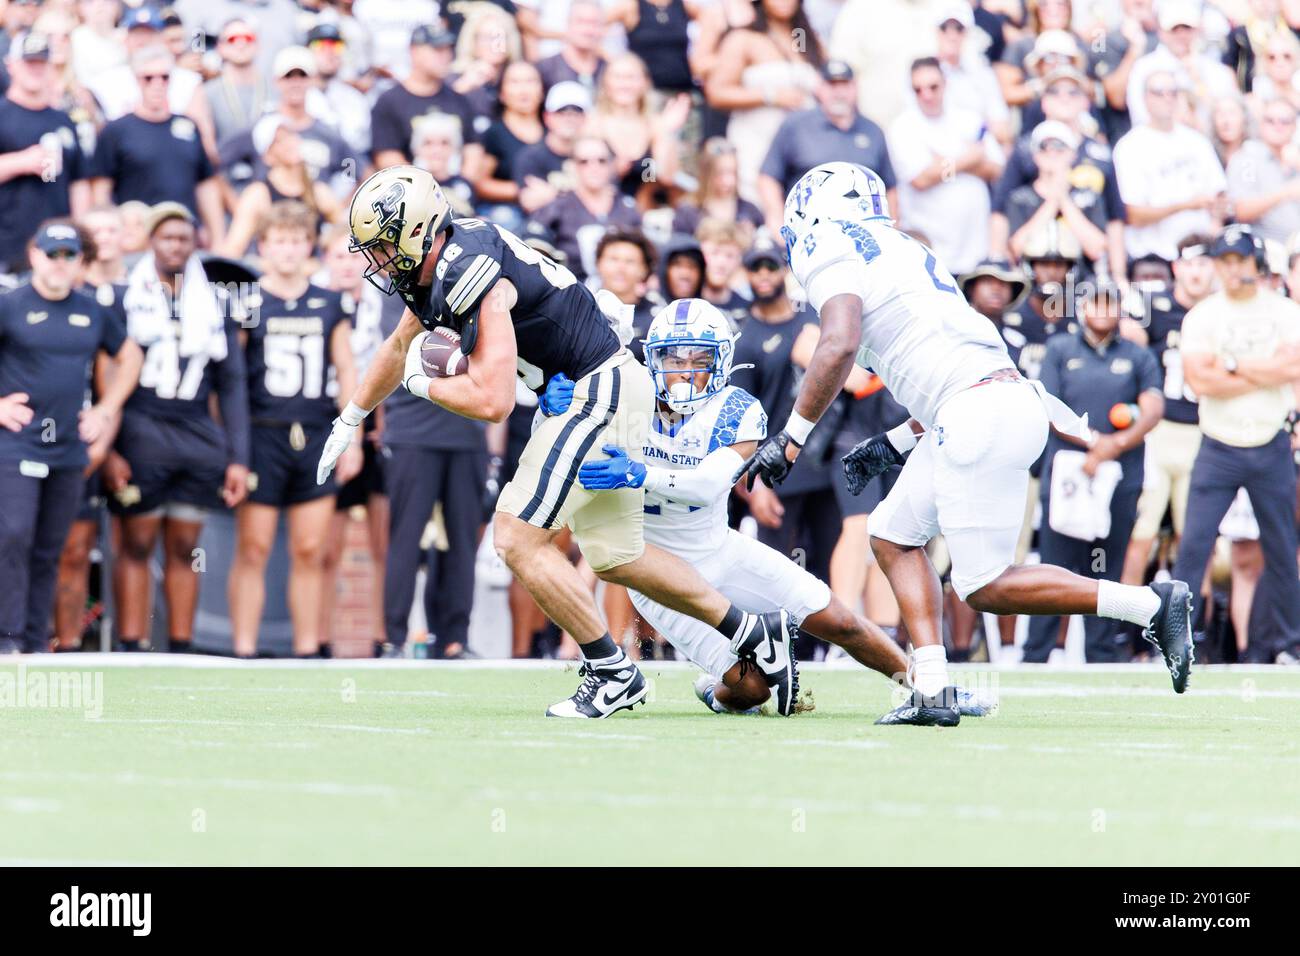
(148, 312)
(1079, 506)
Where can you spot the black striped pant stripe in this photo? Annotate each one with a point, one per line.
(548, 469)
(585, 447)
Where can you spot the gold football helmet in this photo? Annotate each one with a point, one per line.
(394, 217)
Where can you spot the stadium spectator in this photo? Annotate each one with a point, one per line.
(105, 227)
(241, 92)
(540, 169)
(172, 462)
(437, 147)
(723, 244)
(518, 127)
(50, 334)
(18, 16)
(1169, 176)
(714, 22)
(1174, 442)
(424, 90)
(944, 158)
(763, 70)
(1228, 127)
(97, 42)
(434, 459)
(1277, 77)
(1054, 198)
(287, 177)
(658, 31)
(276, 20)
(579, 60)
(1246, 46)
(1264, 175)
(299, 345)
(340, 100)
(43, 173)
(579, 217)
(1199, 73)
(833, 130)
(1046, 45)
(155, 155)
(625, 262)
(972, 84)
(644, 141)
(1086, 529)
(1112, 64)
(1241, 356)
(487, 43)
(715, 195)
(682, 276)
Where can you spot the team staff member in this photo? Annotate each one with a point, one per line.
(172, 462)
(834, 129)
(1241, 355)
(1051, 254)
(299, 359)
(1174, 442)
(42, 170)
(432, 457)
(50, 334)
(1092, 372)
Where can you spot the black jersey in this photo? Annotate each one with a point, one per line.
(558, 327)
(290, 375)
(1165, 330)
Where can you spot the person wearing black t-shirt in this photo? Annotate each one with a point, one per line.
(173, 462)
(540, 169)
(579, 60)
(155, 156)
(723, 244)
(42, 170)
(424, 91)
(518, 127)
(50, 334)
(299, 360)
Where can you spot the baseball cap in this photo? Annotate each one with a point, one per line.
(1054, 42)
(1065, 73)
(1053, 129)
(837, 71)
(169, 17)
(958, 10)
(1179, 13)
(324, 31)
(996, 269)
(57, 236)
(264, 130)
(143, 18)
(293, 58)
(29, 45)
(567, 94)
(1237, 239)
(432, 34)
(164, 211)
(764, 250)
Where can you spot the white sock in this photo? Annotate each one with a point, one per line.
(930, 669)
(1126, 602)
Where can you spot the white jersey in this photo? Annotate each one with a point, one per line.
(694, 532)
(918, 333)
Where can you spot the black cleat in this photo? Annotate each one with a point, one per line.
(941, 710)
(1171, 631)
(603, 692)
(769, 646)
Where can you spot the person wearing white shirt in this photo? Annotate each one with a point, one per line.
(944, 158)
(1169, 177)
(972, 84)
(1179, 52)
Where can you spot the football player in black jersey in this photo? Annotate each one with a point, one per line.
(518, 311)
(298, 344)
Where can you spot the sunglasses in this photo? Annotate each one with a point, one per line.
(326, 44)
(1280, 56)
(952, 25)
(928, 88)
(235, 38)
(1280, 120)
(1162, 91)
(1053, 146)
(1063, 91)
(62, 255)
(591, 160)
(155, 77)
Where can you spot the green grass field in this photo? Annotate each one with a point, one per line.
(426, 764)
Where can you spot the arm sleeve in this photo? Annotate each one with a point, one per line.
(1150, 377)
(702, 485)
(774, 164)
(76, 164)
(114, 330)
(104, 161)
(232, 398)
(385, 128)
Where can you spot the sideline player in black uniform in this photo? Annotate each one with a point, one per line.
(50, 334)
(298, 345)
(517, 310)
(173, 463)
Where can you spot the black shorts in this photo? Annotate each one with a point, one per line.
(173, 462)
(871, 496)
(284, 459)
(369, 480)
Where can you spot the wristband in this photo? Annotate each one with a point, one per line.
(418, 385)
(902, 438)
(799, 428)
(353, 414)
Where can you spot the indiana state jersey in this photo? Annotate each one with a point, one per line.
(696, 531)
(918, 333)
(558, 327)
(290, 375)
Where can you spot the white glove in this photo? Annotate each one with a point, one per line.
(619, 314)
(413, 378)
(342, 435)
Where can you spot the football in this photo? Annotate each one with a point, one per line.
(441, 353)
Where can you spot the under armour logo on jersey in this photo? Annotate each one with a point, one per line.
(692, 441)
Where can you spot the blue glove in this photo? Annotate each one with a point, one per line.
(558, 395)
(616, 471)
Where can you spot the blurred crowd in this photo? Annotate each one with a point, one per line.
(1041, 148)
